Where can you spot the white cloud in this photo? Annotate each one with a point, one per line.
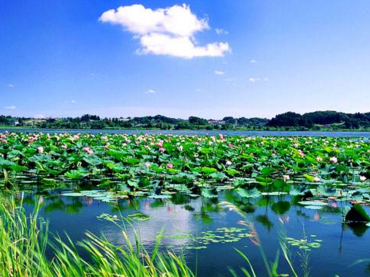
(10, 86)
(198, 89)
(221, 31)
(253, 61)
(149, 91)
(175, 20)
(10, 108)
(219, 72)
(257, 79)
(169, 31)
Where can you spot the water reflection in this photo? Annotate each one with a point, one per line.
(181, 216)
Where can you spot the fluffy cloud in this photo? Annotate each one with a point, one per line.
(219, 72)
(168, 31)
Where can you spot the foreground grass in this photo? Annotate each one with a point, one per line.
(24, 240)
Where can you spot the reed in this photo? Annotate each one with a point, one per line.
(24, 240)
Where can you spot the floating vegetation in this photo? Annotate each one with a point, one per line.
(108, 217)
(306, 244)
(313, 205)
(218, 236)
(159, 165)
(101, 195)
(257, 174)
(138, 217)
(24, 239)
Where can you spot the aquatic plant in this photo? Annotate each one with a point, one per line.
(304, 245)
(24, 241)
(163, 164)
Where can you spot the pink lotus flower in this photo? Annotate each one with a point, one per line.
(334, 160)
(40, 150)
(231, 145)
(64, 147)
(316, 216)
(363, 178)
(31, 140)
(160, 143)
(286, 178)
(162, 149)
(147, 164)
(170, 165)
(88, 150)
(319, 159)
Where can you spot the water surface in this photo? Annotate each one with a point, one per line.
(200, 132)
(183, 217)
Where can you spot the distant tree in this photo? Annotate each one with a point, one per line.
(182, 125)
(230, 120)
(288, 119)
(197, 120)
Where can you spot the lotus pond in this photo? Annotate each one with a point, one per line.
(211, 196)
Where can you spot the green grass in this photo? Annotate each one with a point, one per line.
(24, 240)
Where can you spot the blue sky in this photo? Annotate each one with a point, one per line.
(70, 57)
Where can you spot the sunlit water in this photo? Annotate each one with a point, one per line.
(341, 245)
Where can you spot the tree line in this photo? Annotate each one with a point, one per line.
(320, 120)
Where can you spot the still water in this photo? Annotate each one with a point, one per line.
(200, 132)
(220, 230)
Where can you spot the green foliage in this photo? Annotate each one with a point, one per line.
(160, 164)
(322, 119)
(24, 241)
